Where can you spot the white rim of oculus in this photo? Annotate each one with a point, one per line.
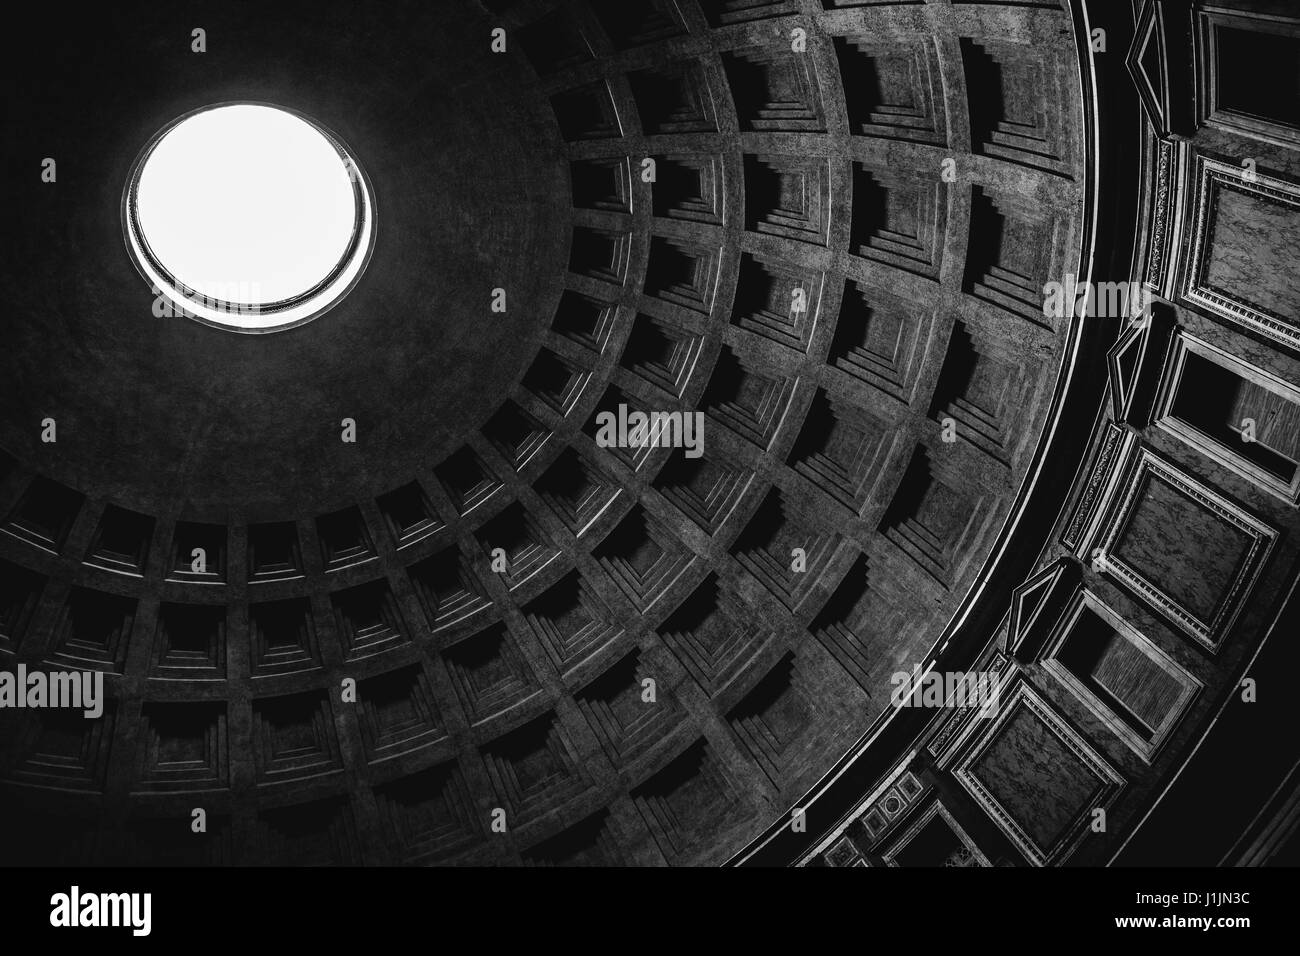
(248, 217)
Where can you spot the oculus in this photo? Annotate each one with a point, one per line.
(248, 217)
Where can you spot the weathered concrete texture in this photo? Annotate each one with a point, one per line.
(168, 415)
(770, 589)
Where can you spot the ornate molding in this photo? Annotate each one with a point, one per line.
(1211, 178)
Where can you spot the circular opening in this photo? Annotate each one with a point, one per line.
(248, 217)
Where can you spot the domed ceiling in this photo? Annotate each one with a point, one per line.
(438, 619)
(165, 415)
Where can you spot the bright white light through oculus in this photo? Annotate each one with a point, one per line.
(249, 216)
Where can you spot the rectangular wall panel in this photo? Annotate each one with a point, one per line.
(1208, 398)
(1036, 777)
(1189, 552)
(1242, 265)
(1123, 678)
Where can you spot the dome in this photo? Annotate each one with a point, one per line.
(676, 433)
